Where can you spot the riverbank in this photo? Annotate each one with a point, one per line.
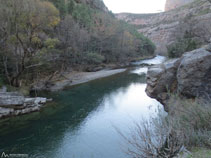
(82, 118)
(67, 79)
(14, 104)
(73, 78)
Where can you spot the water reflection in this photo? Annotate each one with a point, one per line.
(80, 123)
(96, 136)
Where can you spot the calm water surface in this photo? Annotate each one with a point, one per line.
(80, 122)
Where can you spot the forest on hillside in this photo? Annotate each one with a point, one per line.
(39, 38)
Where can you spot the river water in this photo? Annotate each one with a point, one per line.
(81, 121)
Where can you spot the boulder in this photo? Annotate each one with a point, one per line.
(161, 79)
(194, 74)
(188, 76)
(36, 100)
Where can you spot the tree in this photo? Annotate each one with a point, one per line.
(23, 28)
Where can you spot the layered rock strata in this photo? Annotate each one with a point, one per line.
(13, 104)
(167, 27)
(172, 4)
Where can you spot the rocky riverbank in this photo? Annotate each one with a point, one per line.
(188, 76)
(14, 104)
(73, 78)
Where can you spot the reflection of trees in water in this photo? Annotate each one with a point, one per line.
(44, 130)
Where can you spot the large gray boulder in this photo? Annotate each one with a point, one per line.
(194, 74)
(189, 76)
(161, 79)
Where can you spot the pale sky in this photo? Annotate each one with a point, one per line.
(135, 6)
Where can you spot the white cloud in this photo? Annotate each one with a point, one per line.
(135, 6)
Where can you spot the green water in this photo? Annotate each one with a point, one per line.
(80, 122)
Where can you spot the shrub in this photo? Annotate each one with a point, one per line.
(50, 43)
(180, 47)
(186, 125)
(194, 118)
(157, 138)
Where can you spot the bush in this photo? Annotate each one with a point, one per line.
(186, 125)
(50, 43)
(180, 47)
(94, 58)
(194, 118)
(157, 138)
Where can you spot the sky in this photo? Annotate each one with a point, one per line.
(135, 6)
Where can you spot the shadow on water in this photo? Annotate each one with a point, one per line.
(43, 131)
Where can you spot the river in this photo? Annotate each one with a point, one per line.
(81, 121)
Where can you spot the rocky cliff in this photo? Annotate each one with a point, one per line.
(172, 4)
(188, 76)
(167, 27)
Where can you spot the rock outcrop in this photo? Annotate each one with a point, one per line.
(13, 104)
(188, 76)
(172, 4)
(167, 27)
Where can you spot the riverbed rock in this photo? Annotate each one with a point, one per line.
(13, 104)
(10, 99)
(188, 76)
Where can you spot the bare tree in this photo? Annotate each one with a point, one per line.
(154, 139)
(21, 24)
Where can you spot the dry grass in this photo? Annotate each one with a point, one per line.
(187, 125)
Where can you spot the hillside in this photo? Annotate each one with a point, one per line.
(172, 4)
(41, 38)
(193, 20)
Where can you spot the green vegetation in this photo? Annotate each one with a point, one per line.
(199, 153)
(178, 48)
(40, 37)
(94, 58)
(193, 118)
(181, 46)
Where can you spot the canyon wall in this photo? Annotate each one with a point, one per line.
(172, 4)
(189, 76)
(167, 27)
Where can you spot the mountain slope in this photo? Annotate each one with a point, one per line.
(40, 38)
(172, 4)
(167, 27)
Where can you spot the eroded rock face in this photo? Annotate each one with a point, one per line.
(172, 4)
(13, 104)
(167, 27)
(161, 79)
(189, 76)
(194, 73)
